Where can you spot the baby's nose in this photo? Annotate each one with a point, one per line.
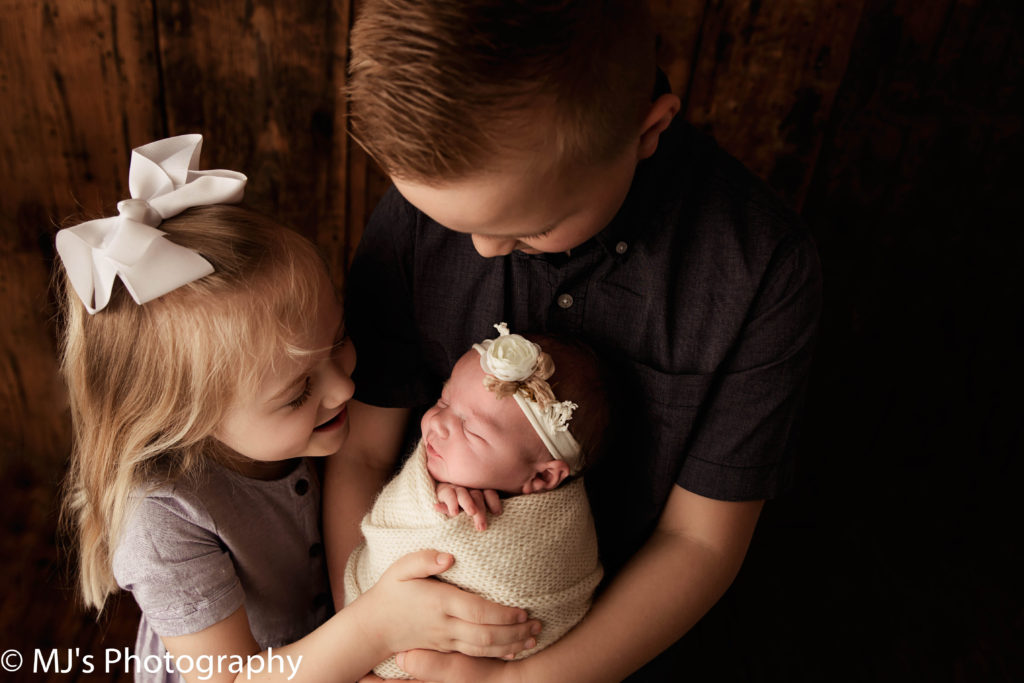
(441, 424)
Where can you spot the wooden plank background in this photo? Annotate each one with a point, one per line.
(893, 125)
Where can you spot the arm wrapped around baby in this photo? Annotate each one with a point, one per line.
(540, 554)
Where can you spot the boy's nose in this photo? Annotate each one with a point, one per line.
(488, 246)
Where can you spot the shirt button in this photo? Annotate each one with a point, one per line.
(621, 248)
(316, 550)
(301, 487)
(565, 300)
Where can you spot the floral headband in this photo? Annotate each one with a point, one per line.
(164, 181)
(517, 367)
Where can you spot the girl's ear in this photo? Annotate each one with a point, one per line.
(548, 476)
(658, 118)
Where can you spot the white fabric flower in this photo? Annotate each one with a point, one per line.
(510, 357)
(513, 358)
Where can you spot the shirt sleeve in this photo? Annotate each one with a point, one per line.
(379, 314)
(742, 447)
(181, 575)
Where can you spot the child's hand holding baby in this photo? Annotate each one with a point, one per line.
(463, 623)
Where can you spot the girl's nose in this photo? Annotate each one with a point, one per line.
(339, 389)
(494, 246)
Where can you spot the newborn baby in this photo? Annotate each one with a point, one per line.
(511, 433)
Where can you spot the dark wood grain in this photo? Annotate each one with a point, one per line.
(679, 25)
(80, 88)
(261, 82)
(764, 78)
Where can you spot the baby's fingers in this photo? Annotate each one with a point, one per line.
(480, 515)
(480, 520)
(493, 501)
(448, 501)
(467, 501)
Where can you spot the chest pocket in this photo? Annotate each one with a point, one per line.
(659, 411)
(669, 404)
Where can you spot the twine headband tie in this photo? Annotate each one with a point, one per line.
(515, 366)
(164, 180)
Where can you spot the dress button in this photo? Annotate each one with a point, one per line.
(316, 550)
(301, 487)
(565, 300)
(621, 248)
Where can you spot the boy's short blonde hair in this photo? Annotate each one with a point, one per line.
(439, 89)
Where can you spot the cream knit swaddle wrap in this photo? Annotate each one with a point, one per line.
(539, 554)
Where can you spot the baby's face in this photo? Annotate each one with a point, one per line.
(476, 440)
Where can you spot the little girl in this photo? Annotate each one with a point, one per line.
(199, 388)
(500, 427)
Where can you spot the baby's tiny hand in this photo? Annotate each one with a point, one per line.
(476, 502)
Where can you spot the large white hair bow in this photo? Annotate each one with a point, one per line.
(164, 181)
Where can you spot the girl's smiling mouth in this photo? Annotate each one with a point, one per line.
(333, 423)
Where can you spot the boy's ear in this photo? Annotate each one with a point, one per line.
(658, 118)
(548, 476)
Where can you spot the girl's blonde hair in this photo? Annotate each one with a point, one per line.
(150, 384)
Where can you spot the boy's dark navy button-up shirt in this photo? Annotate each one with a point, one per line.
(704, 293)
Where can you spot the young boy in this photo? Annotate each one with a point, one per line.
(515, 418)
(541, 178)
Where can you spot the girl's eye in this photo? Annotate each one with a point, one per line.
(301, 398)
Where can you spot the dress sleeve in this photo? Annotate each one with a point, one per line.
(181, 575)
(742, 447)
(379, 314)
